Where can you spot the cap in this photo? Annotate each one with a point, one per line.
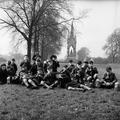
(91, 61)
(70, 61)
(79, 62)
(108, 68)
(53, 56)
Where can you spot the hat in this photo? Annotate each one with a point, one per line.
(13, 59)
(91, 61)
(108, 68)
(70, 61)
(53, 56)
(3, 64)
(79, 62)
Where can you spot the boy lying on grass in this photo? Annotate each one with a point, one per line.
(77, 82)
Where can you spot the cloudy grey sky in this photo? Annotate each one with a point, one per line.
(103, 18)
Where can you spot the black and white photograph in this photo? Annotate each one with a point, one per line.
(59, 59)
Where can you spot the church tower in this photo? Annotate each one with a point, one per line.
(71, 44)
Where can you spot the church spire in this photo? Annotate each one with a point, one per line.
(71, 44)
(72, 29)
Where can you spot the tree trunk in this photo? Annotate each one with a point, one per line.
(42, 56)
(35, 46)
(29, 49)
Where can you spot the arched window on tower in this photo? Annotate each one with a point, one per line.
(71, 50)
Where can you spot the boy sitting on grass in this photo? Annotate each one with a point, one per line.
(64, 77)
(109, 79)
(91, 73)
(12, 76)
(37, 72)
(78, 73)
(71, 66)
(25, 75)
(50, 79)
(3, 74)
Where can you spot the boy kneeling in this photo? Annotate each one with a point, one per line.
(109, 80)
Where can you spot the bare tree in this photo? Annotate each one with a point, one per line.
(112, 47)
(27, 19)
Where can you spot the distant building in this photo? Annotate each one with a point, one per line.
(71, 44)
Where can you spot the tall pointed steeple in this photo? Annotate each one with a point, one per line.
(71, 43)
(72, 34)
(72, 28)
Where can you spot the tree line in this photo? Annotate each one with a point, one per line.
(111, 48)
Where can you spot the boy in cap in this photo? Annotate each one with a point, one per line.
(55, 63)
(50, 79)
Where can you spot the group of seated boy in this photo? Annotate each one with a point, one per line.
(79, 76)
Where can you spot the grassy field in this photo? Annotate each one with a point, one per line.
(20, 103)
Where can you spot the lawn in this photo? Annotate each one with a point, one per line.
(20, 103)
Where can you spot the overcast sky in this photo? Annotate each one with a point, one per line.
(103, 18)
